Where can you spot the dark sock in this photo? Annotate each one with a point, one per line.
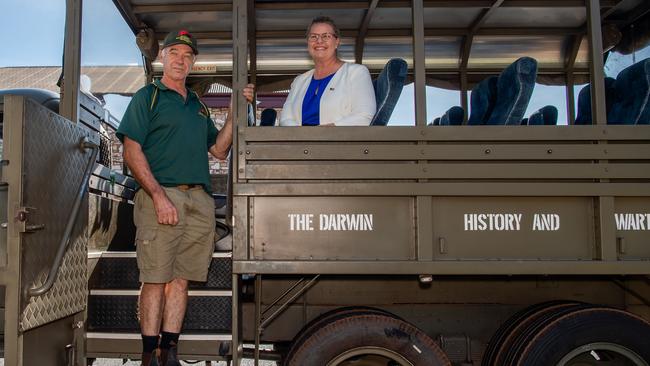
(149, 343)
(169, 340)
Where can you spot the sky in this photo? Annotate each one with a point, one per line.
(107, 40)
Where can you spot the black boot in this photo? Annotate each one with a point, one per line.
(149, 359)
(169, 357)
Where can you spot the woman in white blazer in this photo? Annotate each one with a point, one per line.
(334, 93)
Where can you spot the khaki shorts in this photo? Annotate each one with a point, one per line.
(185, 250)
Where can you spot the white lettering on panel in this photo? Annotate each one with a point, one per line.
(632, 221)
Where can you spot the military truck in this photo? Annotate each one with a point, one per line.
(484, 237)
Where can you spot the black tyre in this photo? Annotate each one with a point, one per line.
(320, 321)
(368, 339)
(592, 336)
(503, 337)
(522, 338)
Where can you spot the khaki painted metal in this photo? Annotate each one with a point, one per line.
(474, 306)
(240, 27)
(552, 191)
(44, 171)
(72, 61)
(631, 216)
(310, 231)
(426, 189)
(426, 181)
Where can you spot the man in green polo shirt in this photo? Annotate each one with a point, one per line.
(167, 132)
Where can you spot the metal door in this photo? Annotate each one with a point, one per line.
(46, 162)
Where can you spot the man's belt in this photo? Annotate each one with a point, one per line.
(185, 187)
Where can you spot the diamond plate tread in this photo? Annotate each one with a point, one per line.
(111, 313)
(104, 156)
(122, 273)
(53, 166)
(68, 294)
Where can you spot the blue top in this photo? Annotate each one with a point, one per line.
(311, 102)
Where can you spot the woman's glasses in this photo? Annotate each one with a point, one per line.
(314, 37)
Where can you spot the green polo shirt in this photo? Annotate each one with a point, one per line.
(175, 134)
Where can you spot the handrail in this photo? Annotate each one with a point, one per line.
(54, 270)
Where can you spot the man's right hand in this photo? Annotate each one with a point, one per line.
(165, 210)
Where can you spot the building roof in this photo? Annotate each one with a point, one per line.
(124, 80)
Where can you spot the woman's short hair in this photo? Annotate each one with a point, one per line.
(326, 20)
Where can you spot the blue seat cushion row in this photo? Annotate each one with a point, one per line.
(453, 117)
(584, 101)
(483, 99)
(546, 115)
(388, 87)
(514, 88)
(268, 117)
(632, 103)
(435, 122)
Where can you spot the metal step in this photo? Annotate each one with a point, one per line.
(119, 270)
(216, 347)
(115, 311)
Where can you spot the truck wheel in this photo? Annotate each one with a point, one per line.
(522, 337)
(368, 339)
(503, 338)
(591, 336)
(320, 321)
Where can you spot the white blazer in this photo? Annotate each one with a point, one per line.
(348, 100)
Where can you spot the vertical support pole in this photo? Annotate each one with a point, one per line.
(465, 49)
(79, 336)
(463, 95)
(570, 99)
(252, 44)
(596, 67)
(607, 232)
(258, 317)
(14, 116)
(239, 80)
(236, 330)
(71, 61)
(571, 53)
(417, 12)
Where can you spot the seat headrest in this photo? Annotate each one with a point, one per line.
(388, 87)
(583, 116)
(546, 115)
(453, 117)
(484, 96)
(268, 117)
(514, 88)
(632, 105)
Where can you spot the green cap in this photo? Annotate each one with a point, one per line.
(181, 37)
